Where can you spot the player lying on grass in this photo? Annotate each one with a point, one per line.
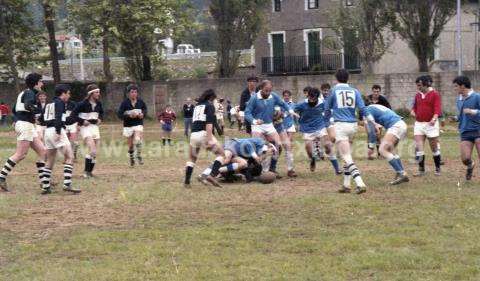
(56, 139)
(468, 106)
(132, 111)
(381, 116)
(313, 125)
(202, 136)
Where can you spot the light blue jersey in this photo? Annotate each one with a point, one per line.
(312, 118)
(259, 108)
(288, 120)
(469, 122)
(343, 102)
(246, 148)
(383, 115)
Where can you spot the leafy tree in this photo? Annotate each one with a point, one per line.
(238, 23)
(16, 49)
(420, 23)
(364, 30)
(49, 7)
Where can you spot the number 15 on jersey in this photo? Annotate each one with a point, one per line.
(345, 98)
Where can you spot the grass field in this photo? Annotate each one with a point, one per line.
(140, 224)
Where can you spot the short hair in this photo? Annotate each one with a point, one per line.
(325, 86)
(307, 89)
(132, 87)
(286, 92)
(429, 80)
(424, 80)
(252, 79)
(92, 87)
(61, 88)
(265, 83)
(342, 75)
(376, 87)
(314, 92)
(463, 81)
(32, 79)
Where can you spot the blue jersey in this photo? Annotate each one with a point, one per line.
(247, 148)
(259, 108)
(468, 122)
(312, 118)
(343, 102)
(383, 115)
(288, 120)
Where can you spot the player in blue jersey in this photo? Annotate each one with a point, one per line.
(260, 112)
(282, 121)
(313, 125)
(468, 106)
(342, 105)
(381, 116)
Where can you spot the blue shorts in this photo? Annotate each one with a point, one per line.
(279, 127)
(231, 145)
(470, 136)
(167, 127)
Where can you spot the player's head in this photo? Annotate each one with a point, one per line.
(342, 75)
(252, 82)
(189, 101)
(221, 100)
(429, 80)
(42, 97)
(93, 92)
(132, 91)
(462, 84)
(306, 90)
(423, 82)
(376, 90)
(208, 95)
(313, 95)
(63, 92)
(266, 88)
(168, 107)
(34, 81)
(325, 88)
(287, 95)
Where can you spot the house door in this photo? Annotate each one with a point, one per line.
(314, 49)
(278, 58)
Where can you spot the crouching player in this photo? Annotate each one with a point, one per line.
(56, 138)
(313, 125)
(90, 115)
(468, 106)
(132, 111)
(202, 136)
(381, 116)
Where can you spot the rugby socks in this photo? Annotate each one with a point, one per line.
(169, 141)
(437, 159)
(47, 174)
(420, 156)
(273, 165)
(189, 172)
(67, 175)
(400, 165)
(41, 171)
(75, 146)
(131, 156)
(347, 177)
(289, 159)
(229, 168)
(352, 168)
(89, 163)
(138, 147)
(334, 161)
(7, 168)
(216, 165)
(164, 141)
(93, 163)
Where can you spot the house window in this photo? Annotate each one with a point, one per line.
(312, 4)
(348, 3)
(277, 5)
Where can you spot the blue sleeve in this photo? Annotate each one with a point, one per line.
(298, 108)
(372, 136)
(328, 107)
(249, 149)
(360, 105)
(282, 104)
(249, 109)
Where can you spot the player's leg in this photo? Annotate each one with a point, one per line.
(131, 151)
(90, 156)
(51, 155)
(20, 153)
(68, 156)
(287, 145)
(274, 138)
(330, 151)
(420, 153)
(169, 134)
(193, 155)
(309, 150)
(138, 143)
(437, 159)
(73, 138)
(466, 149)
(44, 174)
(387, 151)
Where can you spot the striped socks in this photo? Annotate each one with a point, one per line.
(7, 169)
(67, 174)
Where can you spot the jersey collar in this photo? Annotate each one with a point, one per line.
(342, 85)
(259, 96)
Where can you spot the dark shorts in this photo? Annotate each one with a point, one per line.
(279, 127)
(470, 136)
(248, 127)
(167, 127)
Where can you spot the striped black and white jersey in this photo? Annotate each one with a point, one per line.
(87, 111)
(54, 114)
(25, 107)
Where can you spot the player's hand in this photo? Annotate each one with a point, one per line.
(140, 116)
(161, 122)
(86, 123)
(295, 115)
(412, 113)
(211, 143)
(99, 121)
(469, 111)
(432, 122)
(58, 137)
(377, 129)
(259, 122)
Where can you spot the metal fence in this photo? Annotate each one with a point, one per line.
(326, 63)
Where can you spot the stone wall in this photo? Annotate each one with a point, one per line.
(398, 88)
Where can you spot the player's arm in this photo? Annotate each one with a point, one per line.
(144, 109)
(30, 102)
(249, 111)
(360, 104)
(59, 109)
(121, 111)
(76, 114)
(437, 108)
(210, 121)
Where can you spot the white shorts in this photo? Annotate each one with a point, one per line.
(424, 129)
(344, 131)
(398, 129)
(292, 129)
(40, 130)
(128, 131)
(26, 131)
(90, 131)
(199, 139)
(264, 129)
(315, 135)
(50, 138)
(71, 129)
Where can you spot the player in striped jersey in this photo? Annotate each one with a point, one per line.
(56, 138)
(71, 127)
(89, 114)
(27, 137)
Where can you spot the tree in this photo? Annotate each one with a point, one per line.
(16, 49)
(420, 23)
(49, 16)
(238, 23)
(135, 23)
(364, 30)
